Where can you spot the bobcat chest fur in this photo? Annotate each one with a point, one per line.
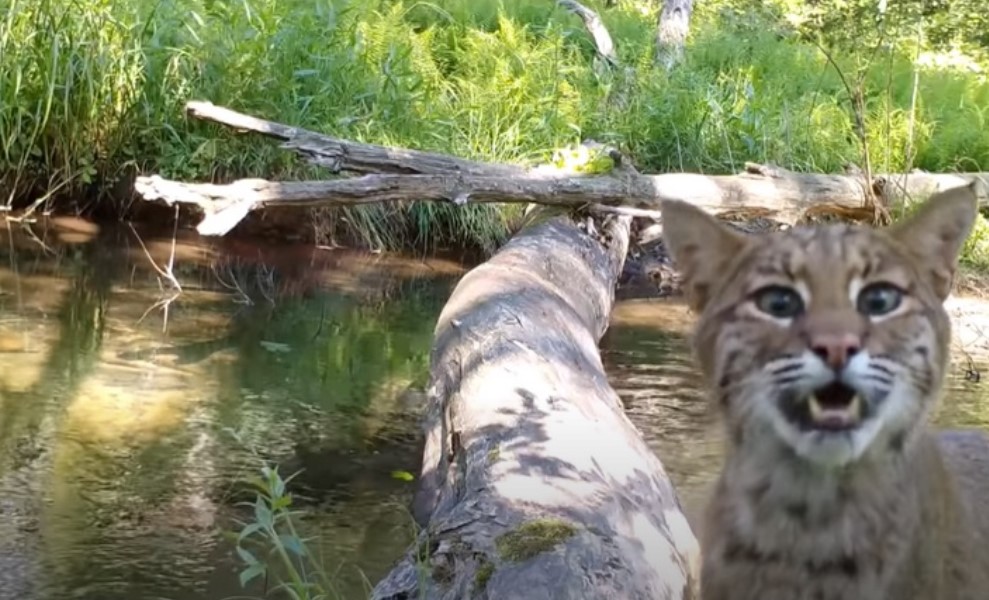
(825, 350)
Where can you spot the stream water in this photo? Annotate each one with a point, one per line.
(130, 413)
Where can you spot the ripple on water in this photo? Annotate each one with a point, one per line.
(118, 469)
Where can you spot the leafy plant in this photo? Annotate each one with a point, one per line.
(277, 546)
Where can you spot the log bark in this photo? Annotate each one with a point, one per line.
(535, 484)
(760, 191)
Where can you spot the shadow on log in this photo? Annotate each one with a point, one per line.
(535, 484)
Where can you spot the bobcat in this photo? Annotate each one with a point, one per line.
(825, 348)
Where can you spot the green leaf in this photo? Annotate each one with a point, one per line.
(281, 502)
(262, 514)
(250, 573)
(403, 475)
(293, 544)
(275, 347)
(247, 556)
(248, 530)
(278, 489)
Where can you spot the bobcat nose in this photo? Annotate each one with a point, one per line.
(835, 349)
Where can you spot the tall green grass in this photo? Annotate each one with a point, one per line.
(92, 92)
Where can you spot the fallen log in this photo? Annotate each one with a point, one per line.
(760, 191)
(397, 174)
(535, 484)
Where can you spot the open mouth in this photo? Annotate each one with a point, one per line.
(834, 407)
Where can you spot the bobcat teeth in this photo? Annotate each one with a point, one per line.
(816, 412)
(850, 413)
(855, 407)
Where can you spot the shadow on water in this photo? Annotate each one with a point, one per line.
(123, 442)
(646, 353)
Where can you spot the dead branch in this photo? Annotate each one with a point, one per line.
(410, 175)
(760, 191)
(346, 156)
(599, 33)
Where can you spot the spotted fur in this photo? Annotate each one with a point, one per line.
(881, 510)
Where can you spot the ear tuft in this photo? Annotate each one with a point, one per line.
(700, 246)
(935, 234)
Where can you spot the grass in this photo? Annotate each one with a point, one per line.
(93, 92)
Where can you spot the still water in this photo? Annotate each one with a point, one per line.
(130, 412)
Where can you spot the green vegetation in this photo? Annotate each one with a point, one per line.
(533, 538)
(273, 530)
(93, 91)
(484, 573)
(975, 252)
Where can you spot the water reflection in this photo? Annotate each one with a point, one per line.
(118, 472)
(649, 364)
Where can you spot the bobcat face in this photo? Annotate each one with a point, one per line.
(831, 340)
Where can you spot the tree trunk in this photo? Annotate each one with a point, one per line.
(535, 484)
(672, 30)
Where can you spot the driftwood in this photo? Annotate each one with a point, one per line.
(397, 174)
(535, 484)
(513, 502)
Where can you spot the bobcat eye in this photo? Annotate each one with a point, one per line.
(879, 299)
(778, 301)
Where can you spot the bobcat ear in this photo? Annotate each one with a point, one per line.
(700, 246)
(935, 234)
